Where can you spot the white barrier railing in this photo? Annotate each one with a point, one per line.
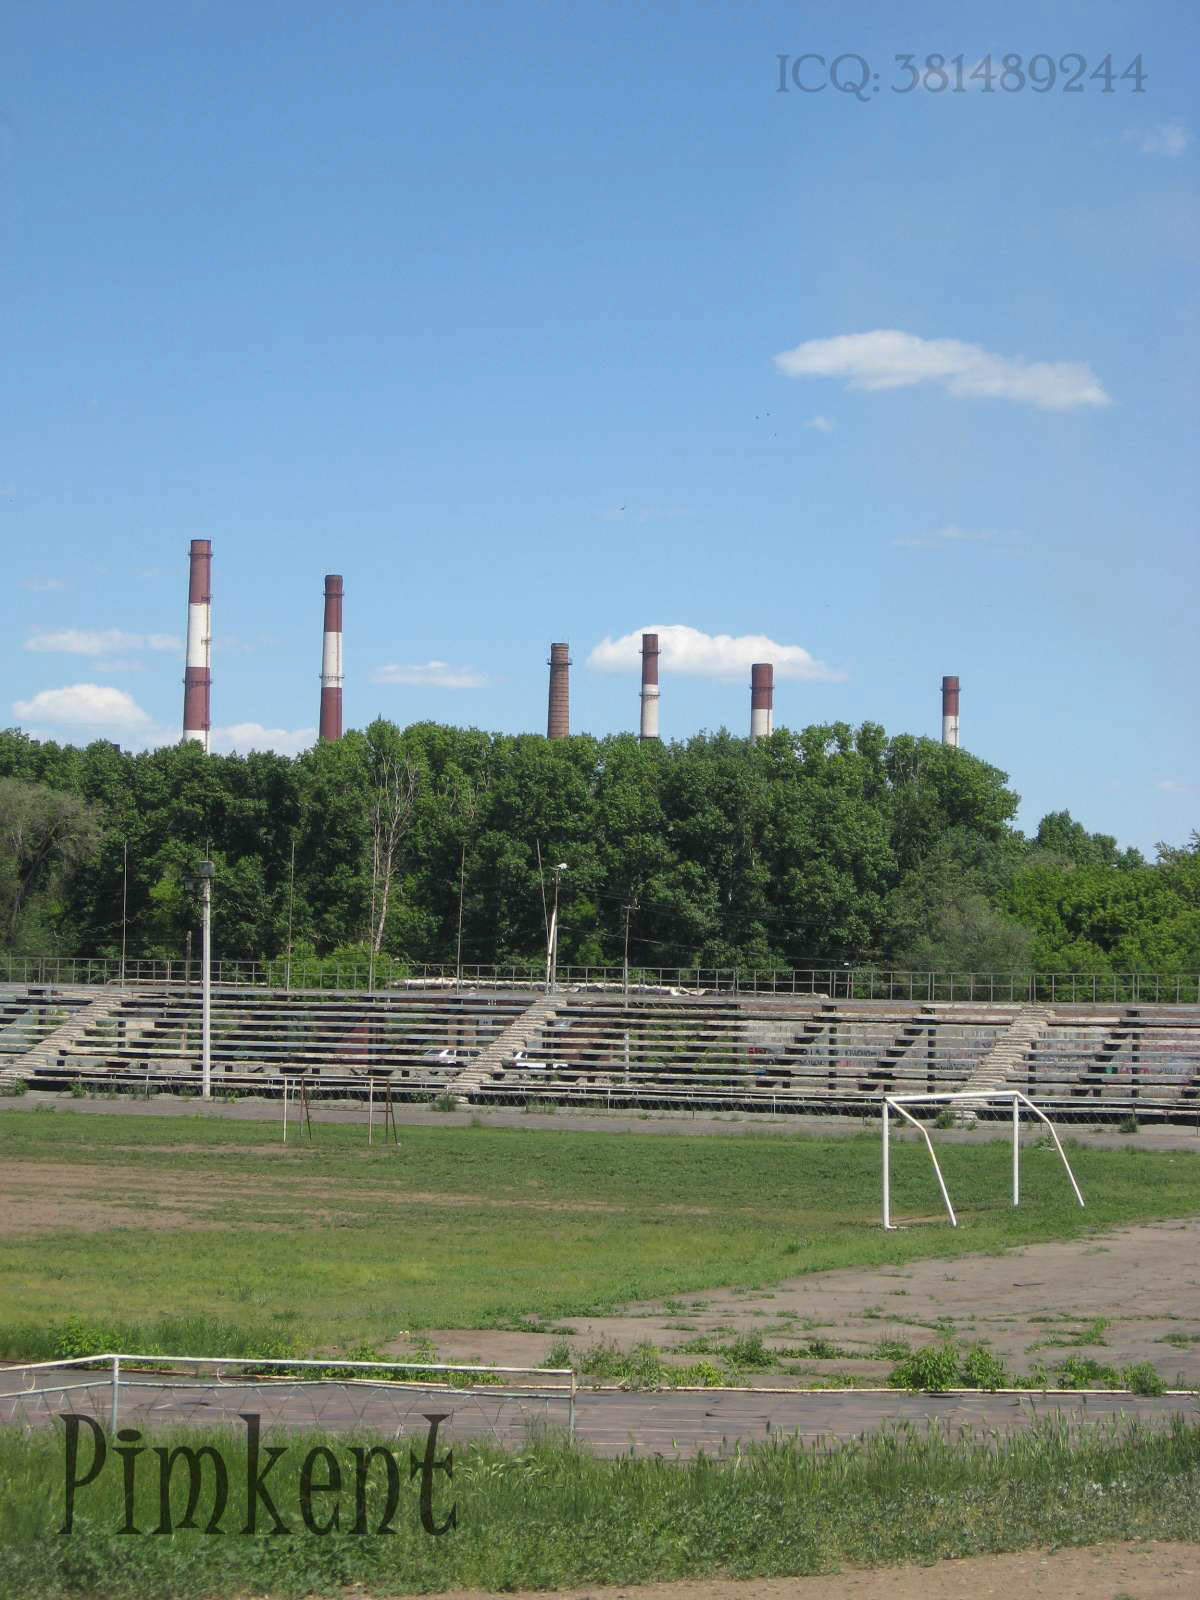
(160, 1372)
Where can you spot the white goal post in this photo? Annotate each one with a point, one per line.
(897, 1103)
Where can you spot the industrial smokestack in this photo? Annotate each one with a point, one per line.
(762, 700)
(950, 712)
(649, 686)
(331, 661)
(197, 676)
(558, 718)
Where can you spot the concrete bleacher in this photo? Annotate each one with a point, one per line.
(418, 1042)
(726, 1053)
(29, 1015)
(1144, 1054)
(601, 1047)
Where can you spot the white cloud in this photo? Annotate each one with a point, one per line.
(433, 675)
(948, 535)
(821, 424)
(84, 705)
(1167, 139)
(711, 655)
(889, 359)
(98, 642)
(246, 736)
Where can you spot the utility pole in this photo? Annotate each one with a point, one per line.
(124, 906)
(462, 880)
(552, 940)
(630, 905)
(287, 977)
(206, 876)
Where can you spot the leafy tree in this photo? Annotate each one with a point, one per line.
(45, 836)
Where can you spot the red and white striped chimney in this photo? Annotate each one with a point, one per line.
(558, 722)
(762, 700)
(331, 661)
(197, 675)
(649, 686)
(950, 712)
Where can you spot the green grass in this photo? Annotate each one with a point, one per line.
(334, 1244)
(548, 1516)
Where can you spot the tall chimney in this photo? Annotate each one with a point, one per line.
(558, 716)
(331, 661)
(197, 675)
(950, 712)
(649, 686)
(762, 700)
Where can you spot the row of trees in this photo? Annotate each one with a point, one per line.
(812, 847)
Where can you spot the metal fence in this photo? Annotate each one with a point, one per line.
(841, 982)
(498, 1403)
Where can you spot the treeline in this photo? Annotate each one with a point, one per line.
(820, 846)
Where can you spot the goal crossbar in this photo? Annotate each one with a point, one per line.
(897, 1103)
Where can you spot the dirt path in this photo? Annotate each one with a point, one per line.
(1149, 1571)
(1143, 1282)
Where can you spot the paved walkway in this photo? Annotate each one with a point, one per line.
(671, 1423)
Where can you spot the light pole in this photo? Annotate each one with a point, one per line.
(124, 904)
(206, 870)
(552, 941)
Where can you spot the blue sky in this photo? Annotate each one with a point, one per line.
(482, 306)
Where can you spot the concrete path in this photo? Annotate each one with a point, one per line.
(671, 1423)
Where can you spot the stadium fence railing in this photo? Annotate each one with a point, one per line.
(842, 982)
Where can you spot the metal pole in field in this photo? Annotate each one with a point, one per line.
(1016, 1151)
(370, 1110)
(285, 1110)
(887, 1173)
(116, 1390)
(206, 876)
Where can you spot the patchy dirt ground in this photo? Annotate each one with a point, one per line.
(1043, 1301)
(1149, 1571)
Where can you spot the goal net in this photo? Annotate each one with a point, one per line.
(896, 1104)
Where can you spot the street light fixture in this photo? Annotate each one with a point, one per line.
(205, 873)
(552, 942)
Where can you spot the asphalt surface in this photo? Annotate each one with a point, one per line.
(1180, 1134)
(672, 1423)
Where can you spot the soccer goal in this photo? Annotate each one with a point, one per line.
(898, 1102)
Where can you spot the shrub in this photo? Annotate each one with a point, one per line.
(1142, 1379)
(748, 1351)
(1129, 1124)
(558, 1355)
(700, 1375)
(934, 1367)
(1081, 1372)
(983, 1370)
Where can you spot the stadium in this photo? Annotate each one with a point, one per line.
(599, 873)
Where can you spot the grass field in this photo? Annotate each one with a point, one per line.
(549, 1516)
(122, 1221)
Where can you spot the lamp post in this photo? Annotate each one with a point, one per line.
(205, 873)
(552, 941)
